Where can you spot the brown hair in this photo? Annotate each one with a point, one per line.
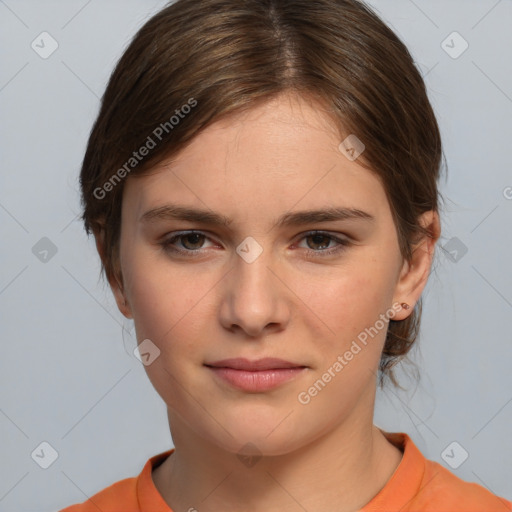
(223, 56)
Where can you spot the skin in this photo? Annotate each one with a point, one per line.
(279, 157)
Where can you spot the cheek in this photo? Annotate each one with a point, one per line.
(350, 300)
(168, 303)
(162, 304)
(169, 308)
(351, 305)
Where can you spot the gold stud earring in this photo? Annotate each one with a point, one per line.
(405, 305)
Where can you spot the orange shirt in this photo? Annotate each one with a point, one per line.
(417, 485)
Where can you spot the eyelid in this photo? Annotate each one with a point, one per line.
(342, 243)
(341, 237)
(168, 240)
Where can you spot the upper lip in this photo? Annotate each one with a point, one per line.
(267, 363)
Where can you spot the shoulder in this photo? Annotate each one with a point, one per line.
(128, 495)
(423, 485)
(442, 490)
(120, 496)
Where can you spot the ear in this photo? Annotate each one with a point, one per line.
(414, 274)
(115, 281)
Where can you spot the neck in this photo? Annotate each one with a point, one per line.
(341, 470)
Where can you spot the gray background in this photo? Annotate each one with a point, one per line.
(68, 374)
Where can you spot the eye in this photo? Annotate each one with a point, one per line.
(192, 241)
(321, 240)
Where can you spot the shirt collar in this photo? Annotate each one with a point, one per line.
(399, 490)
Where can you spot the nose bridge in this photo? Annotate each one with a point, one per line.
(251, 273)
(253, 299)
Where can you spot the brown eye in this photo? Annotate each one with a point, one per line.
(318, 244)
(192, 241)
(319, 240)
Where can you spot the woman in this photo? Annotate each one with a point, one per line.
(261, 182)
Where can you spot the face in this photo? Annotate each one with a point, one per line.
(261, 285)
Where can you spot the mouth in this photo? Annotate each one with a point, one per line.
(258, 375)
(267, 363)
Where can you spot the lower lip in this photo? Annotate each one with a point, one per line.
(260, 380)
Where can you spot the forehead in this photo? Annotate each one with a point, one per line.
(276, 155)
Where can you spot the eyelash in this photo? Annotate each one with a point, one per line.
(168, 244)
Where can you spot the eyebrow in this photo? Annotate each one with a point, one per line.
(179, 212)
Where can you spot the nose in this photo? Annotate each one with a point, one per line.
(255, 300)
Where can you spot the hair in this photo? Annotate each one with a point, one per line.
(226, 56)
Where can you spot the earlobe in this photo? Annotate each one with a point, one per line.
(414, 274)
(126, 310)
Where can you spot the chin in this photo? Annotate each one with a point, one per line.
(258, 440)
